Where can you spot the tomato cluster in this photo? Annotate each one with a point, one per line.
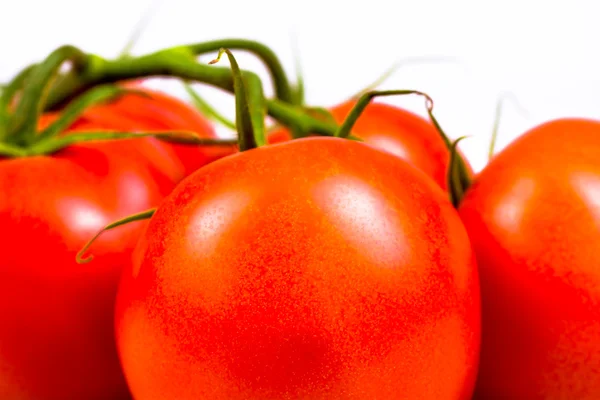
(346, 253)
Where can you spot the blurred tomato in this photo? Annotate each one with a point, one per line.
(57, 317)
(533, 215)
(154, 111)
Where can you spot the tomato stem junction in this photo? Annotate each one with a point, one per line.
(249, 105)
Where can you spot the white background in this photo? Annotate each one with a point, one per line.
(545, 52)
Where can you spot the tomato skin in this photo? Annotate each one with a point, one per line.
(397, 131)
(160, 111)
(155, 111)
(157, 155)
(57, 340)
(532, 215)
(328, 279)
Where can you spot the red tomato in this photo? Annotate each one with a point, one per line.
(57, 317)
(397, 131)
(157, 111)
(158, 155)
(297, 271)
(533, 216)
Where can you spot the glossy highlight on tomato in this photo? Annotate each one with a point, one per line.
(534, 221)
(57, 337)
(397, 131)
(293, 271)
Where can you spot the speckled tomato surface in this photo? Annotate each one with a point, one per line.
(533, 215)
(320, 268)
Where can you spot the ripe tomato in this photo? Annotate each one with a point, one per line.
(534, 220)
(57, 317)
(157, 154)
(156, 111)
(397, 131)
(328, 278)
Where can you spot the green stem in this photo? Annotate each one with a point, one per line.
(10, 151)
(498, 116)
(79, 105)
(166, 63)
(13, 87)
(495, 128)
(70, 84)
(25, 119)
(362, 103)
(206, 109)
(455, 188)
(54, 144)
(249, 106)
(292, 116)
(170, 63)
(318, 112)
(364, 100)
(80, 257)
(299, 119)
(8, 94)
(281, 82)
(463, 173)
(321, 113)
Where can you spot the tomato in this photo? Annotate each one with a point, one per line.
(320, 268)
(398, 131)
(57, 317)
(157, 154)
(156, 111)
(534, 220)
